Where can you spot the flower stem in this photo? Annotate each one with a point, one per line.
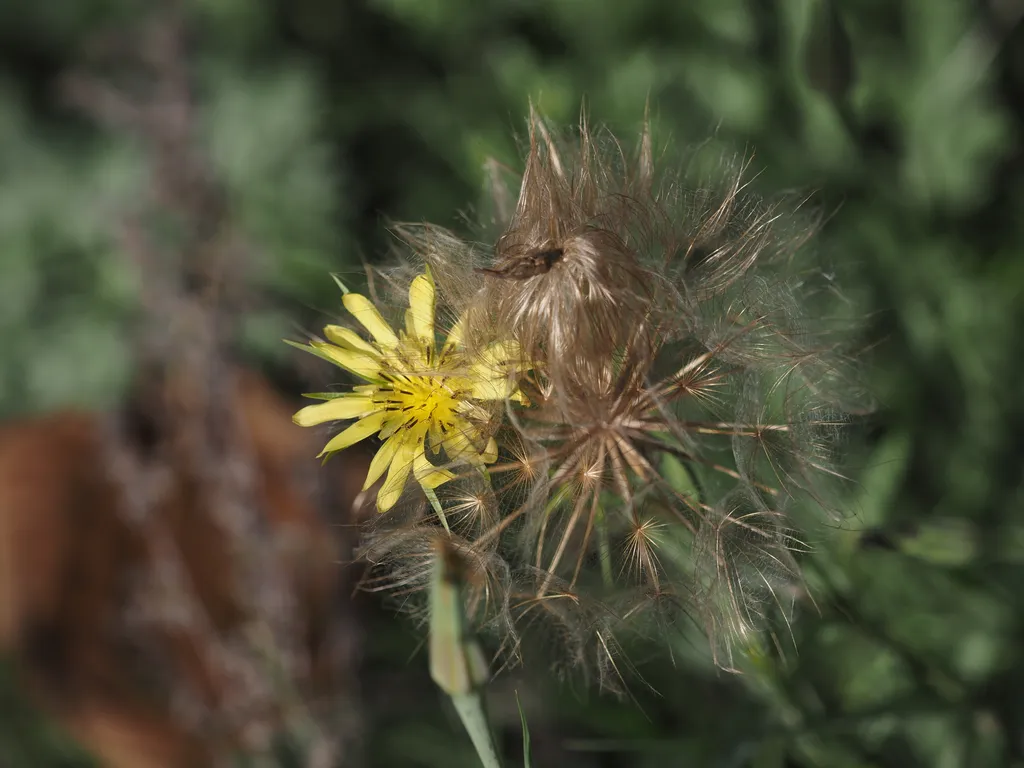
(473, 713)
(457, 663)
(604, 548)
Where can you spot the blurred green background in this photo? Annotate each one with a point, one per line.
(323, 118)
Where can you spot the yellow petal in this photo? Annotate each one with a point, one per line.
(398, 471)
(436, 437)
(500, 353)
(346, 337)
(362, 429)
(382, 460)
(454, 339)
(427, 474)
(362, 310)
(393, 424)
(492, 371)
(338, 409)
(460, 441)
(493, 389)
(420, 317)
(414, 354)
(360, 363)
(471, 411)
(490, 454)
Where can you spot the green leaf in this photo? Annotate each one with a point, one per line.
(337, 281)
(473, 714)
(526, 733)
(679, 476)
(947, 542)
(431, 495)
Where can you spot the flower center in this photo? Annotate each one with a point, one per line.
(423, 398)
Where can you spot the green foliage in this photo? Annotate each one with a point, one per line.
(527, 762)
(63, 295)
(27, 739)
(900, 114)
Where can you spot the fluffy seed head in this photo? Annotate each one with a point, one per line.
(680, 391)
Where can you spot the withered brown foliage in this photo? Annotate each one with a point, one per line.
(118, 617)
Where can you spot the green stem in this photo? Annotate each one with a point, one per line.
(473, 713)
(604, 549)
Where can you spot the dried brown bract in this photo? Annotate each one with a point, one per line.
(527, 265)
(574, 282)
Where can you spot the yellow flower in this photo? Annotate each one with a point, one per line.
(416, 397)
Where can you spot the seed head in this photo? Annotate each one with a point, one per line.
(676, 392)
